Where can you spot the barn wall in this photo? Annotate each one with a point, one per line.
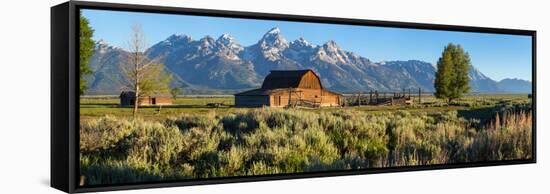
(281, 98)
(125, 101)
(252, 101)
(144, 101)
(163, 100)
(311, 94)
(330, 100)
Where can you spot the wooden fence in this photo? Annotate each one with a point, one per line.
(374, 97)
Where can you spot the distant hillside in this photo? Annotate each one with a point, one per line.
(223, 65)
(515, 85)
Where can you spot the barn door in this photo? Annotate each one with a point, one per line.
(154, 101)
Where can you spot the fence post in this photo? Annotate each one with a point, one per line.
(419, 96)
(359, 99)
(376, 94)
(370, 97)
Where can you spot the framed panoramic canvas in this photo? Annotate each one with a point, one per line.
(146, 96)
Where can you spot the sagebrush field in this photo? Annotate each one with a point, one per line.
(237, 97)
(190, 140)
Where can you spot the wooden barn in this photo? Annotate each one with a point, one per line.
(127, 98)
(289, 89)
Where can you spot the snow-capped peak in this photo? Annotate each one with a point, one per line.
(206, 45)
(274, 30)
(226, 39)
(207, 38)
(301, 42)
(102, 42)
(475, 74)
(175, 39)
(207, 41)
(179, 36)
(273, 38)
(225, 36)
(331, 46)
(330, 52)
(103, 45)
(273, 44)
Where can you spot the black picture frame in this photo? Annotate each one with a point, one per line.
(65, 103)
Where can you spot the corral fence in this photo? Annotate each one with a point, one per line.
(374, 97)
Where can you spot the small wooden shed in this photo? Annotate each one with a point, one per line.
(287, 89)
(127, 98)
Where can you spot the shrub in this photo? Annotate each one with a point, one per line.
(106, 133)
(505, 139)
(108, 171)
(271, 141)
(156, 146)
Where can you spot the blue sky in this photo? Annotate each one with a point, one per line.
(497, 56)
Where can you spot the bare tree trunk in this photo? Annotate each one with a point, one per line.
(140, 70)
(136, 82)
(136, 103)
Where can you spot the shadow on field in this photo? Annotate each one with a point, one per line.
(484, 115)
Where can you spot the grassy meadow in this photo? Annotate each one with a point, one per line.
(191, 140)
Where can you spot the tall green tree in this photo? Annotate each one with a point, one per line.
(86, 51)
(451, 79)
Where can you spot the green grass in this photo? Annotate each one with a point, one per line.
(179, 143)
(93, 107)
(98, 107)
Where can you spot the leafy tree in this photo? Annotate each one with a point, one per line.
(175, 92)
(451, 79)
(154, 80)
(86, 51)
(145, 77)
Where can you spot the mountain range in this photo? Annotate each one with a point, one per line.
(222, 65)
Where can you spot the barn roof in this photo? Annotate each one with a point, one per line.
(127, 94)
(284, 78)
(267, 92)
(258, 92)
(281, 80)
